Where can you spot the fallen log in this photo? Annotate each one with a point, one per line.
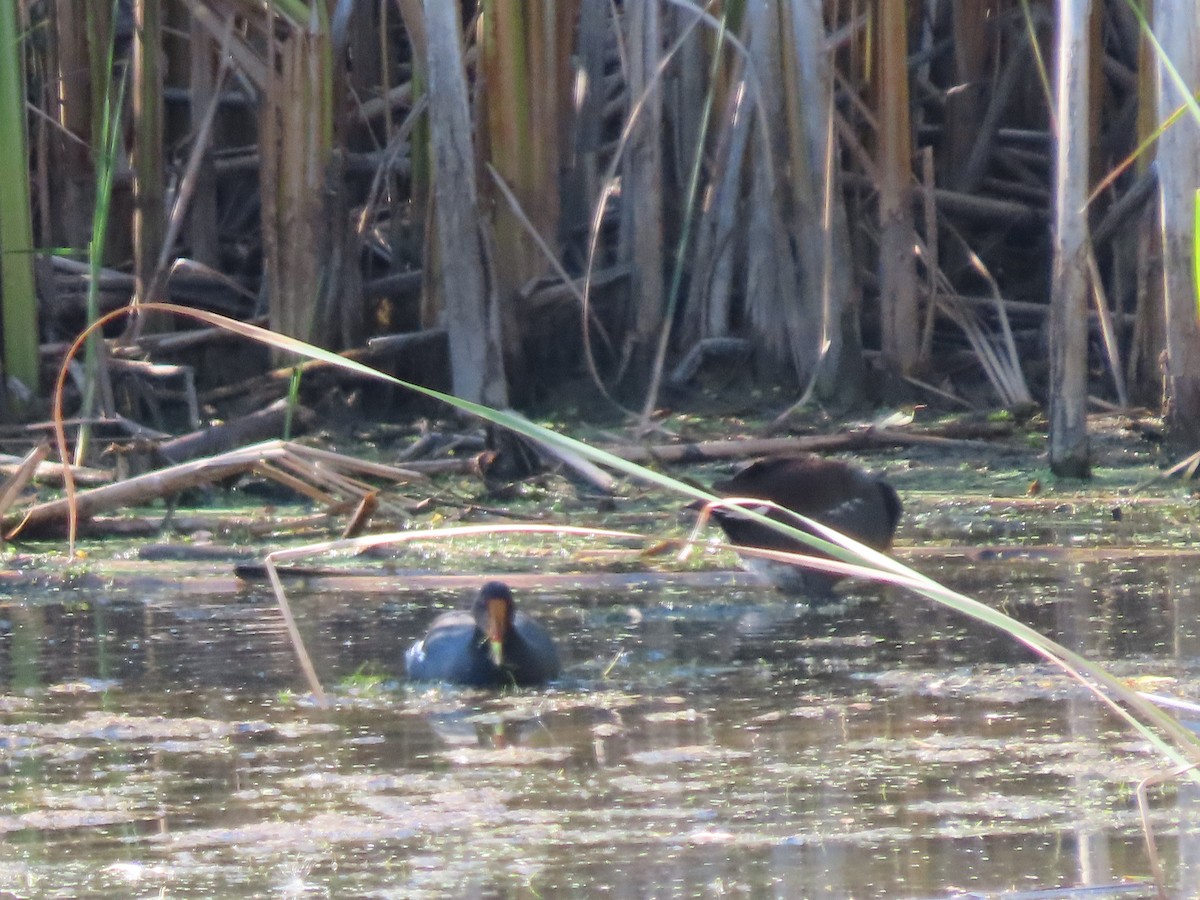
(859, 439)
(277, 380)
(253, 428)
(715, 451)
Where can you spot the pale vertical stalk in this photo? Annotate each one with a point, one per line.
(148, 164)
(641, 193)
(19, 311)
(74, 108)
(201, 224)
(897, 266)
(469, 307)
(841, 346)
(1069, 454)
(508, 140)
(296, 138)
(106, 131)
(780, 307)
(1177, 28)
(707, 312)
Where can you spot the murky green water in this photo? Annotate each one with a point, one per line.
(705, 742)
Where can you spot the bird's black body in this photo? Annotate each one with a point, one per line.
(832, 492)
(462, 647)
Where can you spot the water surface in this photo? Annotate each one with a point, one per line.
(705, 741)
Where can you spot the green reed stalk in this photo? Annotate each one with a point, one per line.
(18, 310)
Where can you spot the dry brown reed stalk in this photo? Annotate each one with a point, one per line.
(16, 482)
(1156, 868)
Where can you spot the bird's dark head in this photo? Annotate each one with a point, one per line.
(494, 617)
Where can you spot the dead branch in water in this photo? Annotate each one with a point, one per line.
(324, 474)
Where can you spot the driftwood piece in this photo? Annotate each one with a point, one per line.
(103, 427)
(393, 343)
(739, 350)
(176, 341)
(1127, 207)
(397, 97)
(969, 436)
(149, 380)
(509, 444)
(987, 209)
(399, 284)
(370, 580)
(253, 428)
(715, 451)
(110, 279)
(361, 466)
(260, 526)
(458, 465)
(1023, 307)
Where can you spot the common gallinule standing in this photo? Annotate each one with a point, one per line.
(832, 492)
(490, 646)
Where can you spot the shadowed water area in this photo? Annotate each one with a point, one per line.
(707, 739)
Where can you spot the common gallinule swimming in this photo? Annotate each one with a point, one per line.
(490, 646)
(833, 492)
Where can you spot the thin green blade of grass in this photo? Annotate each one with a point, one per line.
(293, 403)
(106, 167)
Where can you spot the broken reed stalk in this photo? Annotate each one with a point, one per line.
(16, 482)
(1156, 869)
(271, 459)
